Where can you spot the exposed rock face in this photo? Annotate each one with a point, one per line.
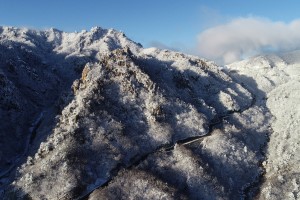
(111, 120)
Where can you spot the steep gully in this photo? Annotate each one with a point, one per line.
(5, 176)
(32, 133)
(214, 123)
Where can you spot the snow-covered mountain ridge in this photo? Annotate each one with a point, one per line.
(96, 116)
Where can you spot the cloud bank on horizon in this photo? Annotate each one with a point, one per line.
(244, 37)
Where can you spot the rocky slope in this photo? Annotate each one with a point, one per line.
(96, 116)
(37, 69)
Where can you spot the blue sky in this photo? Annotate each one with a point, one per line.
(174, 23)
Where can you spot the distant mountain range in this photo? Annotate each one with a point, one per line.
(94, 115)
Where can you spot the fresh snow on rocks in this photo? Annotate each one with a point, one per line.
(96, 116)
(126, 107)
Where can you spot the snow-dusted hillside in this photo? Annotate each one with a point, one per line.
(96, 116)
(279, 78)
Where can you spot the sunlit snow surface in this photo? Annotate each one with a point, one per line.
(279, 77)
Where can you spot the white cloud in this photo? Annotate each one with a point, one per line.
(245, 37)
